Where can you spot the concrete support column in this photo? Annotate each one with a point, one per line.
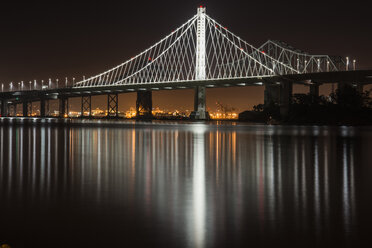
(343, 86)
(271, 94)
(144, 104)
(13, 108)
(42, 107)
(4, 108)
(113, 105)
(200, 112)
(63, 106)
(86, 105)
(25, 112)
(314, 89)
(286, 90)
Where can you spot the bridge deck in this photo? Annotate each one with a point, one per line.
(359, 77)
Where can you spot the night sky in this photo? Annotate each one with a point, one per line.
(59, 39)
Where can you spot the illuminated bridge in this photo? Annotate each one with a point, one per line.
(199, 54)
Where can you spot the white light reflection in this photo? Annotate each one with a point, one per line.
(56, 143)
(271, 180)
(279, 182)
(33, 160)
(303, 186)
(66, 136)
(1, 153)
(29, 153)
(49, 161)
(199, 201)
(99, 164)
(352, 183)
(346, 192)
(21, 156)
(42, 159)
(83, 135)
(326, 185)
(316, 187)
(296, 181)
(10, 157)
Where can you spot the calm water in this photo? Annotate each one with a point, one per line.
(184, 185)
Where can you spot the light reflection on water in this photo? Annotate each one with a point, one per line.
(191, 185)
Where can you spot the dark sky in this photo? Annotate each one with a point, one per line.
(60, 39)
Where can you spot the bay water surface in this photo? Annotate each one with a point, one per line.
(180, 184)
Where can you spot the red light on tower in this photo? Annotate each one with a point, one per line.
(201, 6)
(263, 52)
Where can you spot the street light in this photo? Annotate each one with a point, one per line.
(347, 63)
(354, 64)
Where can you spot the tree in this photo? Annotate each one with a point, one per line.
(349, 97)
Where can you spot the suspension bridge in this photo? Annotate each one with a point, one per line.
(200, 54)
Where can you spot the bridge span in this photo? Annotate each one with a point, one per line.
(200, 54)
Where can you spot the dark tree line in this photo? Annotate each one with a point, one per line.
(345, 106)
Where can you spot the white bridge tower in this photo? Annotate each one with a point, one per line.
(199, 112)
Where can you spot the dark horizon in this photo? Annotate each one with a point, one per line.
(59, 40)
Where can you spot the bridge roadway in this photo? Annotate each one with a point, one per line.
(277, 89)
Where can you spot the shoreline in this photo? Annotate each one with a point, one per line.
(120, 122)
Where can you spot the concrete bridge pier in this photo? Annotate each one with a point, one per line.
(286, 90)
(279, 93)
(271, 94)
(13, 109)
(63, 106)
(4, 107)
(26, 108)
(199, 112)
(342, 86)
(42, 107)
(113, 105)
(144, 105)
(86, 106)
(314, 89)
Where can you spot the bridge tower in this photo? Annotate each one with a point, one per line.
(199, 112)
